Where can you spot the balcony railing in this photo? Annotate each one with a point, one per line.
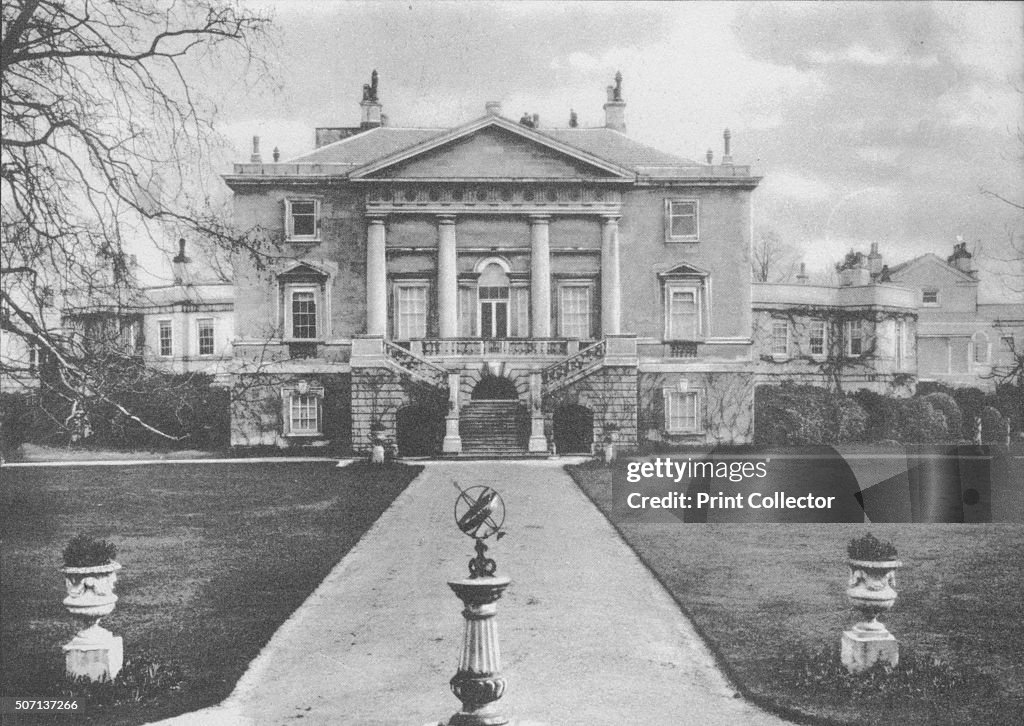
(503, 347)
(554, 375)
(416, 366)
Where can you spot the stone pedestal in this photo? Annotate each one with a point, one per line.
(866, 644)
(95, 653)
(538, 443)
(452, 443)
(478, 683)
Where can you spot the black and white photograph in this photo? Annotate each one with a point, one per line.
(540, 363)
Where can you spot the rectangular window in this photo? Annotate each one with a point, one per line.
(929, 297)
(681, 221)
(854, 337)
(33, 358)
(574, 311)
(467, 312)
(304, 413)
(204, 328)
(901, 342)
(303, 314)
(410, 312)
(780, 338)
(818, 337)
(166, 339)
(519, 312)
(682, 412)
(683, 313)
(303, 220)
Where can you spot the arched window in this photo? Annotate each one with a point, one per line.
(980, 344)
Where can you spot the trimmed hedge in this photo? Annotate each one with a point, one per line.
(919, 422)
(950, 410)
(789, 415)
(187, 407)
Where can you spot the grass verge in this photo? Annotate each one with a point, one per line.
(769, 600)
(215, 558)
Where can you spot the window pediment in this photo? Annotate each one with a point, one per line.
(684, 271)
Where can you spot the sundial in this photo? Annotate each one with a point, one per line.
(480, 513)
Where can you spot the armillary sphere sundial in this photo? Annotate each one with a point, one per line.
(480, 513)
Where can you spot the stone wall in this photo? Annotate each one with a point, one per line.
(611, 395)
(726, 407)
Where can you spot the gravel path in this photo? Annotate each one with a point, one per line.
(587, 635)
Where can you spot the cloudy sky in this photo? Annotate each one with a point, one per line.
(870, 122)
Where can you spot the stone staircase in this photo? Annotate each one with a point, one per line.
(492, 429)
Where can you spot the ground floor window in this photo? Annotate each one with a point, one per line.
(303, 410)
(682, 411)
(205, 332)
(166, 339)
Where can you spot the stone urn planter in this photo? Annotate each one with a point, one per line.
(871, 591)
(378, 441)
(94, 653)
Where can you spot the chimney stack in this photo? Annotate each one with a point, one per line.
(180, 265)
(727, 156)
(493, 108)
(802, 277)
(615, 108)
(255, 158)
(370, 105)
(277, 154)
(874, 261)
(961, 258)
(710, 156)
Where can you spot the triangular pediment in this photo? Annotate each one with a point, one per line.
(683, 270)
(492, 148)
(304, 271)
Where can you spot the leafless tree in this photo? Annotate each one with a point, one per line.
(105, 139)
(772, 260)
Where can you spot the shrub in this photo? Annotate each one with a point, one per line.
(947, 406)
(793, 415)
(919, 422)
(789, 415)
(870, 548)
(970, 401)
(882, 415)
(850, 420)
(15, 421)
(84, 551)
(993, 430)
(1010, 402)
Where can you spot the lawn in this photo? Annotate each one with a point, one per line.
(215, 558)
(769, 600)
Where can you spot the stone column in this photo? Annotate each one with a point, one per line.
(538, 443)
(540, 276)
(447, 277)
(611, 285)
(452, 443)
(376, 279)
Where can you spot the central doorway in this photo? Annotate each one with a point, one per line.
(493, 312)
(494, 388)
(492, 296)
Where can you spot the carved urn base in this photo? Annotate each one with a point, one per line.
(478, 683)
